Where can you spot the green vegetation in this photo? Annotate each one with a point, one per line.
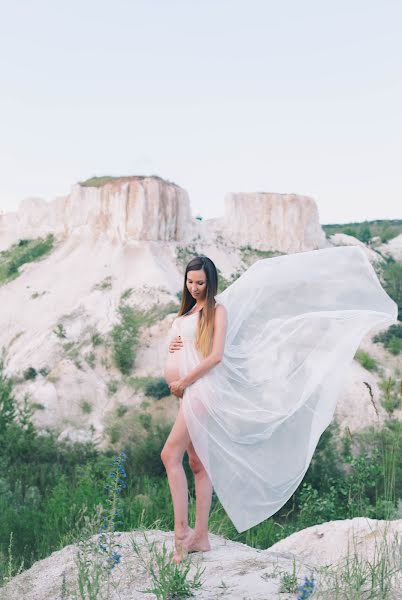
(364, 231)
(366, 361)
(86, 407)
(96, 339)
(138, 383)
(391, 338)
(121, 410)
(391, 398)
(60, 330)
(50, 488)
(391, 273)
(124, 337)
(97, 181)
(358, 577)
(112, 387)
(223, 283)
(30, 373)
(250, 255)
(125, 333)
(185, 253)
(169, 580)
(105, 284)
(157, 388)
(100, 181)
(91, 359)
(72, 351)
(288, 581)
(23, 252)
(126, 294)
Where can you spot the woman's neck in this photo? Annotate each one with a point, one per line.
(198, 306)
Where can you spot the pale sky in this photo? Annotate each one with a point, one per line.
(296, 96)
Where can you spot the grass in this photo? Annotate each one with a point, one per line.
(391, 338)
(366, 361)
(363, 577)
(125, 334)
(157, 388)
(169, 580)
(103, 180)
(24, 251)
(386, 229)
(391, 398)
(86, 407)
(250, 255)
(105, 284)
(91, 359)
(185, 253)
(49, 488)
(96, 338)
(112, 387)
(138, 383)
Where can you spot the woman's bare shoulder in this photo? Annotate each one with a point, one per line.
(220, 310)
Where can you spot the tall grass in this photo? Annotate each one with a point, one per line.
(49, 488)
(23, 252)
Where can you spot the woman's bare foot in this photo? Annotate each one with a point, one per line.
(182, 544)
(199, 543)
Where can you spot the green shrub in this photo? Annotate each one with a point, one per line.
(126, 294)
(125, 338)
(121, 410)
(86, 407)
(60, 330)
(391, 398)
(96, 339)
(91, 359)
(392, 275)
(97, 181)
(23, 252)
(105, 284)
(158, 388)
(30, 373)
(366, 361)
(112, 387)
(125, 333)
(391, 338)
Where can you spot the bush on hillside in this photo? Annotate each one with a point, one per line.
(391, 338)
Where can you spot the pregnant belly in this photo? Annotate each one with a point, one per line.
(172, 371)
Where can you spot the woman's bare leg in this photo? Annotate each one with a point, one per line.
(172, 457)
(203, 498)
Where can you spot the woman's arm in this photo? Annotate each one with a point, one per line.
(218, 345)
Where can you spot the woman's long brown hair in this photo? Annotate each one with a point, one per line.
(205, 325)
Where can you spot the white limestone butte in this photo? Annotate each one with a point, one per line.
(268, 221)
(124, 209)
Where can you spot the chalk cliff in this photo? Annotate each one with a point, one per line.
(122, 209)
(267, 221)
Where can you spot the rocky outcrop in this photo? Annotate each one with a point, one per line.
(267, 221)
(122, 209)
(343, 239)
(393, 248)
(137, 208)
(232, 570)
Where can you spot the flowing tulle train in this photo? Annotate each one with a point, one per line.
(294, 325)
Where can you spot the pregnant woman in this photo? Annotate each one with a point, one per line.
(258, 369)
(199, 345)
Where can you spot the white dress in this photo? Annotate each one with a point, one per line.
(294, 325)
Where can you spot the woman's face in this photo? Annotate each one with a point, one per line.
(196, 282)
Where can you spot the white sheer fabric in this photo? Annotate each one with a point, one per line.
(294, 325)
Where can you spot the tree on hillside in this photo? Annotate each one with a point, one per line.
(392, 274)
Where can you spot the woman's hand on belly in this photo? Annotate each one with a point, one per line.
(176, 344)
(177, 387)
